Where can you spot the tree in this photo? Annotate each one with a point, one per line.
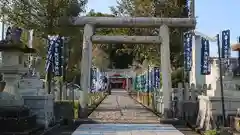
(171, 8)
(155, 8)
(46, 17)
(114, 52)
(100, 58)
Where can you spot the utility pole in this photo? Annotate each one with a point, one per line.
(221, 81)
(50, 26)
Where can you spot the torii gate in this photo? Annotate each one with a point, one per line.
(90, 23)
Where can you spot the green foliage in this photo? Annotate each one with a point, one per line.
(177, 76)
(54, 16)
(171, 8)
(161, 79)
(211, 132)
(47, 17)
(112, 54)
(156, 8)
(44, 16)
(100, 58)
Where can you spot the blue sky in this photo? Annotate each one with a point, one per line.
(212, 17)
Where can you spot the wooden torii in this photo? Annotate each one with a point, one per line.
(90, 23)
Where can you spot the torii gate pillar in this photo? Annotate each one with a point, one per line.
(86, 65)
(165, 69)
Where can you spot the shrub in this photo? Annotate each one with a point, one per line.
(211, 132)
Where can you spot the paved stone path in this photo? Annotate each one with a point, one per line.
(126, 129)
(120, 108)
(118, 114)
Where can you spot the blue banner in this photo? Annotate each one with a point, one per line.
(205, 53)
(142, 84)
(54, 61)
(150, 86)
(98, 80)
(93, 79)
(138, 82)
(187, 41)
(145, 82)
(58, 56)
(50, 52)
(65, 56)
(153, 77)
(157, 77)
(226, 47)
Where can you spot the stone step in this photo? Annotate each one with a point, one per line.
(173, 121)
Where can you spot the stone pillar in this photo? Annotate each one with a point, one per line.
(166, 69)
(85, 68)
(64, 92)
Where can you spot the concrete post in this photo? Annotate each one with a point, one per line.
(166, 69)
(64, 92)
(85, 68)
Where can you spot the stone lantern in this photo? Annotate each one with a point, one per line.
(15, 116)
(12, 66)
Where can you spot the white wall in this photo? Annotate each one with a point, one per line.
(195, 73)
(1, 30)
(1, 37)
(212, 78)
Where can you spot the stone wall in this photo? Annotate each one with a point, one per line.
(210, 111)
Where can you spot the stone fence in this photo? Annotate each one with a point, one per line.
(193, 104)
(184, 101)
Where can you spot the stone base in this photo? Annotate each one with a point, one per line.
(43, 107)
(16, 119)
(63, 110)
(210, 111)
(83, 112)
(167, 113)
(7, 99)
